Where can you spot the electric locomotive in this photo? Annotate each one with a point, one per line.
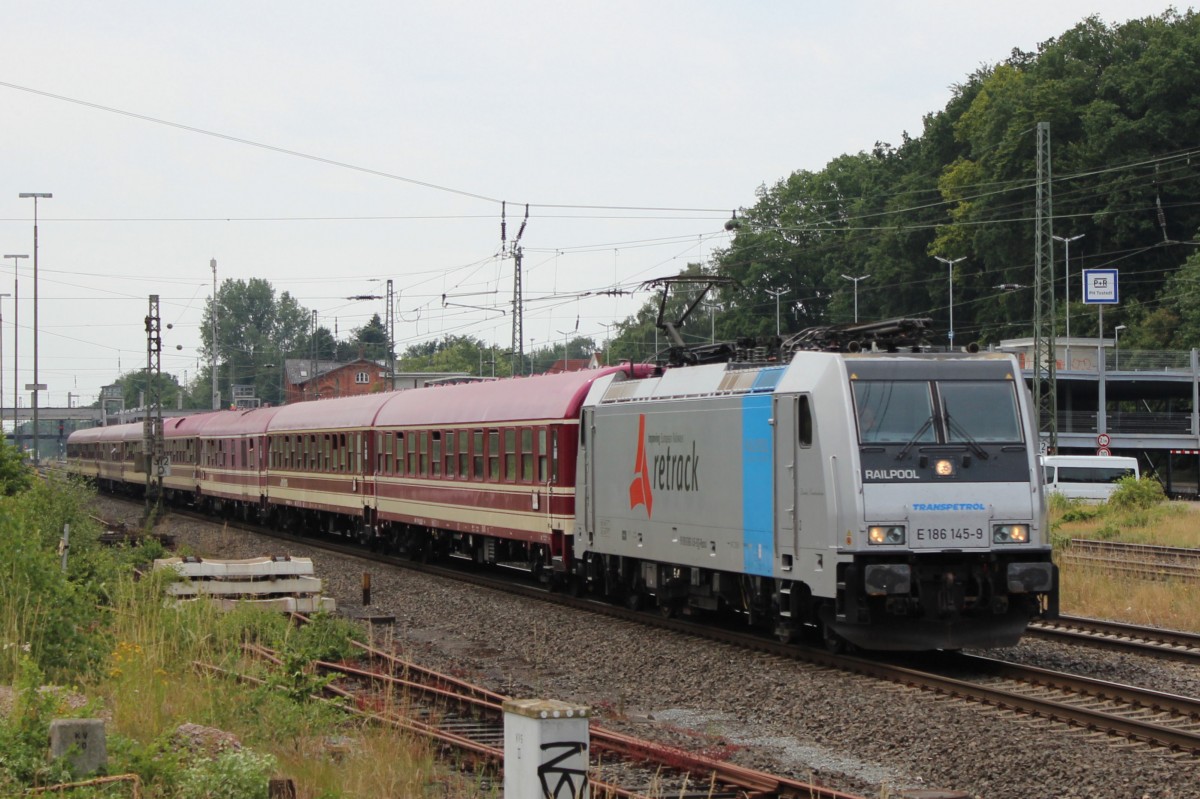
(890, 500)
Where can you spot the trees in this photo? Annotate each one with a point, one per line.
(254, 328)
(135, 389)
(1121, 103)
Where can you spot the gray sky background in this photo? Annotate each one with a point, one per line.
(633, 129)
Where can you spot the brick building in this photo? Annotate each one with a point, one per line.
(306, 379)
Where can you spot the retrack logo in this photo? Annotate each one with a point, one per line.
(639, 489)
(675, 470)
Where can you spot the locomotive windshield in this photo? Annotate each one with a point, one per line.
(894, 412)
(966, 412)
(983, 412)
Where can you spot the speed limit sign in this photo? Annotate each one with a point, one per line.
(1104, 452)
(1103, 440)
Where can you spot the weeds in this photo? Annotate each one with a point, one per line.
(1137, 513)
(135, 656)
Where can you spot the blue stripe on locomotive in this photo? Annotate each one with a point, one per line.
(758, 451)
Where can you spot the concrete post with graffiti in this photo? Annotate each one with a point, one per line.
(545, 749)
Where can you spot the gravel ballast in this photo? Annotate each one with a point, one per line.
(843, 731)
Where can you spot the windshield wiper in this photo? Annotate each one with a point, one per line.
(953, 426)
(920, 432)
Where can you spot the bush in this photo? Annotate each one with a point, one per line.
(15, 475)
(235, 774)
(56, 617)
(1137, 493)
(25, 732)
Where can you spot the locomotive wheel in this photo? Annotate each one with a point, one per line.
(834, 643)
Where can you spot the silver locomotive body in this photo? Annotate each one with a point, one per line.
(890, 501)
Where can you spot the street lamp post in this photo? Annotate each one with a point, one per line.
(1067, 271)
(776, 294)
(1117, 347)
(565, 334)
(35, 196)
(950, 273)
(2, 296)
(16, 359)
(855, 280)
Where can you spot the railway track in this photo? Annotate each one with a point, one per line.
(1155, 641)
(470, 720)
(1125, 712)
(1146, 561)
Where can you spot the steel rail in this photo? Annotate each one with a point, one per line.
(1153, 641)
(754, 782)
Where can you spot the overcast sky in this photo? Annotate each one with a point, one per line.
(329, 147)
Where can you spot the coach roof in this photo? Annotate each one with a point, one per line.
(556, 396)
(341, 413)
(220, 424)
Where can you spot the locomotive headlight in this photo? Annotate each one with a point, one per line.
(944, 468)
(893, 534)
(1010, 533)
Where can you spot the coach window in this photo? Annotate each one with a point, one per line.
(527, 455)
(510, 455)
(464, 454)
(424, 467)
(554, 454)
(314, 453)
(477, 454)
(247, 449)
(541, 455)
(450, 453)
(399, 469)
(435, 454)
(414, 439)
(494, 454)
(805, 423)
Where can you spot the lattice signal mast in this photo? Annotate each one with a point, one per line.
(1045, 348)
(518, 332)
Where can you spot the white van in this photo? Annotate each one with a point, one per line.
(1088, 477)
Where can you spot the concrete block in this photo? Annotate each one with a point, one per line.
(81, 740)
(545, 749)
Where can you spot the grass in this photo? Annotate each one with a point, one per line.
(152, 687)
(1136, 514)
(118, 652)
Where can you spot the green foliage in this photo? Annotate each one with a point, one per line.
(135, 389)
(457, 354)
(25, 732)
(158, 763)
(326, 637)
(233, 774)
(57, 616)
(15, 475)
(1137, 493)
(254, 328)
(369, 341)
(1118, 98)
